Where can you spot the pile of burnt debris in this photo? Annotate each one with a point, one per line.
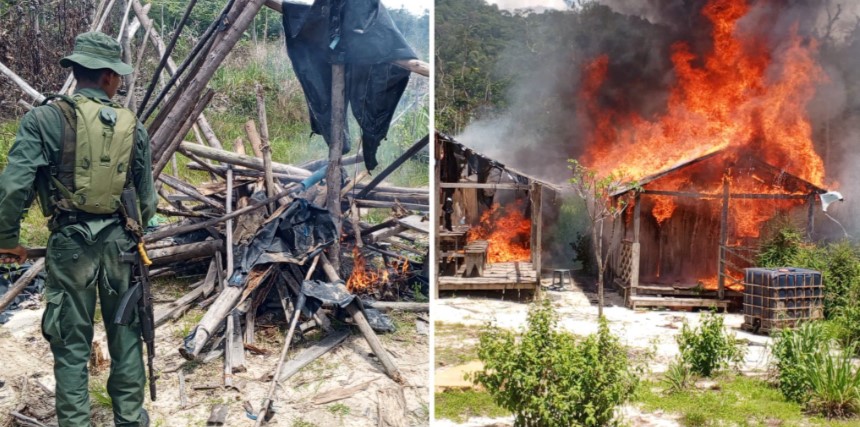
(261, 235)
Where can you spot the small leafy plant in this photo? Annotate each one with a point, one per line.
(708, 348)
(678, 377)
(546, 377)
(814, 370)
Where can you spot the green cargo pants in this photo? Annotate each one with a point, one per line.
(83, 259)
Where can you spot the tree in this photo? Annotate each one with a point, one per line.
(597, 192)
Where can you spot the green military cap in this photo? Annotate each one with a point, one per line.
(96, 50)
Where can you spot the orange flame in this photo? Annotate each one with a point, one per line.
(507, 231)
(740, 97)
(364, 278)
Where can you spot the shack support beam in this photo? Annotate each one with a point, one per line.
(635, 247)
(724, 229)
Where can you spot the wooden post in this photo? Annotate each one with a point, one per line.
(411, 151)
(21, 283)
(724, 230)
(364, 326)
(265, 147)
(25, 87)
(537, 226)
(335, 153)
(436, 201)
(635, 248)
(240, 18)
(810, 216)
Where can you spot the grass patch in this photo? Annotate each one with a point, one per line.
(738, 401)
(464, 338)
(189, 321)
(339, 410)
(459, 406)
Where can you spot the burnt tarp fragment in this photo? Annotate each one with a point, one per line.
(361, 35)
(335, 294)
(301, 231)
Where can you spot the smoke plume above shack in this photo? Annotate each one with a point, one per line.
(547, 121)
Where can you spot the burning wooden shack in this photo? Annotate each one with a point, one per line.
(490, 221)
(689, 231)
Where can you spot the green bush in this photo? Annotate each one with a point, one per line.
(708, 348)
(547, 378)
(834, 382)
(839, 264)
(678, 377)
(814, 370)
(792, 352)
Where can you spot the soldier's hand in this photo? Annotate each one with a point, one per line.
(16, 255)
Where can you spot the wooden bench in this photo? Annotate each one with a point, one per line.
(475, 258)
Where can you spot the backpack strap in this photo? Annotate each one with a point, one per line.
(62, 169)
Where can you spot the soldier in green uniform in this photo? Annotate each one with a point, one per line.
(73, 154)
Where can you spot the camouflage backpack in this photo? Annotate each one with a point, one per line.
(97, 152)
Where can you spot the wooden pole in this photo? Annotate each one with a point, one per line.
(335, 153)
(636, 247)
(142, 13)
(724, 229)
(229, 224)
(264, 139)
(237, 159)
(190, 191)
(25, 87)
(297, 310)
(810, 216)
(411, 151)
(129, 100)
(21, 283)
(537, 229)
(364, 326)
(174, 231)
(166, 153)
(240, 18)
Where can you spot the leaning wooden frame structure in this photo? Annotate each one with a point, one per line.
(700, 242)
(451, 245)
(178, 112)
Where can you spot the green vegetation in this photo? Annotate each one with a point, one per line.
(839, 264)
(547, 377)
(736, 401)
(99, 395)
(339, 410)
(814, 370)
(678, 377)
(301, 422)
(708, 348)
(459, 406)
(456, 344)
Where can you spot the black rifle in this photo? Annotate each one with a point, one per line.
(139, 295)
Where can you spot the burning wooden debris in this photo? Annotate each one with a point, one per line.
(490, 224)
(254, 234)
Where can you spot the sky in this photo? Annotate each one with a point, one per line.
(519, 4)
(416, 7)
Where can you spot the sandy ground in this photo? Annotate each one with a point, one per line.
(643, 331)
(25, 352)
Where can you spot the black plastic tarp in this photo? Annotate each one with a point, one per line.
(321, 293)
(301, 231)
(364, 38)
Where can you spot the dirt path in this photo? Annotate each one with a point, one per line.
(25, 352)
(643, 331)
(459, 317)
